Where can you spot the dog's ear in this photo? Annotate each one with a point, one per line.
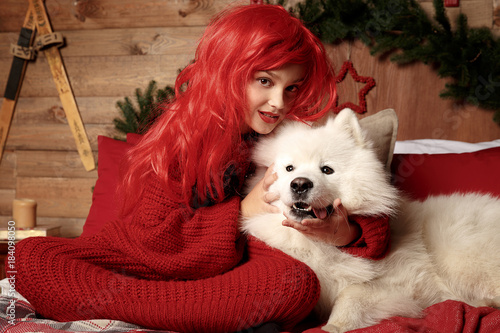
(348, 122)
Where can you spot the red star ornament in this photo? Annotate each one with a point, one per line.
(370, 83)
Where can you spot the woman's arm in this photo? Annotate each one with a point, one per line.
(178, 241)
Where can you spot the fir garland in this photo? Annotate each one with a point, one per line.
(470, 56)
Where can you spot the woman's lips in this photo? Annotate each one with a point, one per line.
(269, 117)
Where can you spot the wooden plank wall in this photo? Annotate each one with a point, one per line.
(115, 46)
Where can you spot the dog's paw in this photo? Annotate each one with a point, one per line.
(490, 302)
(496, 302)
(331, 328)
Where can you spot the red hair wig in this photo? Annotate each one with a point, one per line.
(198, 135)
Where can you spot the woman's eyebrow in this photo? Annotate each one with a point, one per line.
(270, 73)
(273, 75)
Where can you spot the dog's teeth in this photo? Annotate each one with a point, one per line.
(302, 207)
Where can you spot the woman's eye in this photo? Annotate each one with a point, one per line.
(265, 82)
(293, 88)
(327, 170)
(289, 168)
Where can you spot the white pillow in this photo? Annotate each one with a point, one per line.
(434, 146)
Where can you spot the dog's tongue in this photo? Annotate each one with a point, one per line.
(320, 213)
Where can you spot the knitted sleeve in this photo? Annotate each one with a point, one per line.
(374, 240)
(176, 241)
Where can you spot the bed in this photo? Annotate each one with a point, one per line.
(419, 168)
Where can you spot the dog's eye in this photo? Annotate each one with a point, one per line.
(327, 170)
(289, 168)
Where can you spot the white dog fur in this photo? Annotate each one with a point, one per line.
(447, 247)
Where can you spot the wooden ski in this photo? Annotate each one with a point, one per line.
(14, 82)
(63, 86)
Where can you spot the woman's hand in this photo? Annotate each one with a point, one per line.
(335, 229)
(259, 199)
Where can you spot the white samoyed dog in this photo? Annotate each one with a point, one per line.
(446, 247)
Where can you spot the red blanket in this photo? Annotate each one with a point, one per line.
(445, 317)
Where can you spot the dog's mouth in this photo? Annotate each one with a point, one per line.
(303, 210)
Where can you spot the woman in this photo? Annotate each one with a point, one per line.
(175, 259)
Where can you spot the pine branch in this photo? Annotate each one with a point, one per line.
(139, 118)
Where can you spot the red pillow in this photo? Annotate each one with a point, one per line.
(104, 208)
(421, 175)
(133, 138)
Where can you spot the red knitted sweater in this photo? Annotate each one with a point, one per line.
(168, 267)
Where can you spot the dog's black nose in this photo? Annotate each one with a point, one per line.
(301, 185)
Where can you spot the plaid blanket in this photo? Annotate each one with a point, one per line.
(18, 316)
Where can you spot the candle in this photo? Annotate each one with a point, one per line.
(24, 213)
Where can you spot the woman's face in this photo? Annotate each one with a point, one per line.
(270, 94)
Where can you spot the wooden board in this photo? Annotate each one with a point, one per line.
(48, 110)
(52, 137)
(118, 42)
(55, 164)
(8, 170)
(6, 198)
(58, 197)
(101, 76)
(103, 14)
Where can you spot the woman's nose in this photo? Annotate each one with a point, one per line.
(277, 99)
